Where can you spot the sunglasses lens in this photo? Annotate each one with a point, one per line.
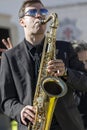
(31, 12)
(43, 12)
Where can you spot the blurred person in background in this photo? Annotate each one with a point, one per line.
(81, 97)
(5, 120)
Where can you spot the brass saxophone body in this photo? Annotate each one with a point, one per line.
(48, 88)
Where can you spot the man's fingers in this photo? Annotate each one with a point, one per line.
(7, 43)
(0, 57)
(10, 43)
(27, 113)
(2, 50)
(23, 121)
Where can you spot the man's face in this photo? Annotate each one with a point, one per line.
(32, 23)
(83, 57)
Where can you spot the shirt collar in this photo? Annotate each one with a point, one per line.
(38, 48)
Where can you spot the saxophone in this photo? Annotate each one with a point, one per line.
(48, 88)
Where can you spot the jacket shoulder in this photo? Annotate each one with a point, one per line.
(13, 51)
(64, 45)
(60, 42)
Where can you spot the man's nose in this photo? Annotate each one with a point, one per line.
(38, 15)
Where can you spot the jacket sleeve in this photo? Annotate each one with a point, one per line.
(77, 80)
(9, 99)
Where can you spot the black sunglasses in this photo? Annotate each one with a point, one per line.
(34, 12)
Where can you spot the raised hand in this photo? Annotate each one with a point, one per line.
(8, 44)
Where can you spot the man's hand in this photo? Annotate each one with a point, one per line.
(56, 67)
(7, 43)
(28, 112)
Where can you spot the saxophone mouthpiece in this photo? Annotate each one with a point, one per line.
(42, 21)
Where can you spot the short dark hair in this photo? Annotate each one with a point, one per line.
(79, 46)
(25, 4)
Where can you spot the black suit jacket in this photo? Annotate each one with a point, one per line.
(16, 89)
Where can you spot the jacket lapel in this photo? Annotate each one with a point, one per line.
(24, 59)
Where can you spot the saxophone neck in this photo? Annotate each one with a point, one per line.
(53, 17)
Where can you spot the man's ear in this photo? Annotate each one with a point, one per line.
(21, 21)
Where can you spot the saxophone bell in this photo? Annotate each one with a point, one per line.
(54, 86)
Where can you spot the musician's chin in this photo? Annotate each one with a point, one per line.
(39, 31)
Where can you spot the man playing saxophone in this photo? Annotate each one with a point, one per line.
(19, 72)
